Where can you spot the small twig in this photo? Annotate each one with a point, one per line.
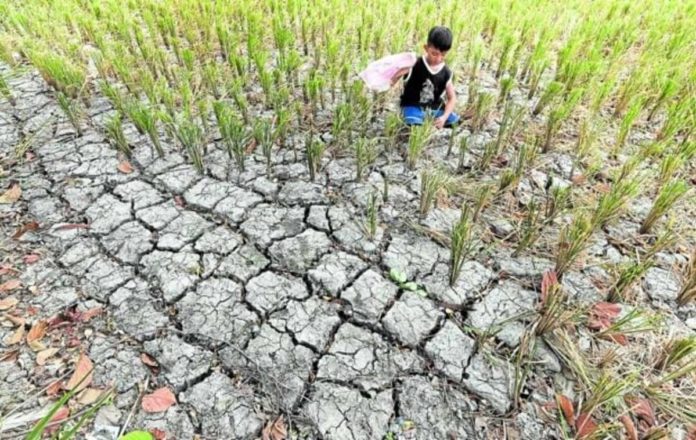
(135, 404)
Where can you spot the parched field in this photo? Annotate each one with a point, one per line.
(211, 229)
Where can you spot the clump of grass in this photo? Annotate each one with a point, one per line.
(530, 228)
(59, 73)
(553, 310)
(372, 210)
(366, 153)
(314, 150)
(572, 241)
(506, 85)
(687, 293)
(482, 198)
(511, 176)
(145, 120)
(71, 109)
(627, 122)
(463, 150)
(559, 114)
(114, 129)
(668, 196)
(392, 127)
(191, 138)
(552, 91)
(482, 109)
(433, 180)
(557, 199)
(674, 351)
(418, 141)
(490, 152)
(263, 135)
(612, 203)
(461, 244)
(234, 135)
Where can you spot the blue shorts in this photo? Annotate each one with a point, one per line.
(416, 115)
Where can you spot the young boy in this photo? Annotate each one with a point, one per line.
(427, 81)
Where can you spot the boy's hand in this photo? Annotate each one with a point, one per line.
(440, 122)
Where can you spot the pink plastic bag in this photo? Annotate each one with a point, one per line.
(378, 74)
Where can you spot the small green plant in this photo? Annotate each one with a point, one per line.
(5, 90)
(461, 244)
(669, 195)
(626, 124)
(145, 120)
(392, 127)
(400, 278)
(463, 150)
(506, 85)
(72, 110)
(191, 138)
(687, 293)
(418, 141)
(557, 199)
(482, 198)
(314, 150)
(433, 180)
(572, 241)
(366, 153)
(530, 228)
(553, 307)
(234, 135)
(490, 152)
(482, 109)
(114, 130)
(263, 135)
(372, 210)
(674, 351)
(613, 202)
(552, 91)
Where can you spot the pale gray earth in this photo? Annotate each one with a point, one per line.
(262, 295)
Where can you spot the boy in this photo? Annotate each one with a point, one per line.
(426, 81)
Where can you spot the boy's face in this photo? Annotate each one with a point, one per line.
(434, 56)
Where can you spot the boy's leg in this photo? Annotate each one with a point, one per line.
(452, 119)
(413, 115)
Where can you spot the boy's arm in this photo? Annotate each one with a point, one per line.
(449, 107)
(399, 73)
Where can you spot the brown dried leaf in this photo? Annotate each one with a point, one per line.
(631, 433)
(148, 360)
(158, 434)
(89, 396)
(158, 401)
(38, 331)
(31, 258)
(60, 416)
(9, 356)
(68, 226)
(691, 435)
(82, 376)
(16, 320)
(54, 388)
(617, 337)
(548, 280)
(6, 269)
(16, 337)
(31, 226)
(11, 195)
(8, 303)
(275, 430)
(91, 313)
(10, 285)
(584, 425)
(567, 408)
(44, 355)
(125, 167)
(642, 409)
(602, 315)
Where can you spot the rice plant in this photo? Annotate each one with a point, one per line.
(314, 149)
(433, 180)
(668, 196)
(366, 153)
(463, 150)
(481, 111)
(190, 135)
(461, 244)
(552, 91)
(557, 199)
(482, 198)
(392, 127)
(626, 124)
(72, 110)
(558, 115)
(687, 293)
(612, 203)
(233, 132)
(372, 211)
(114, 130)
(506, 85)
(418, 142)
(553, 308)
(572, 241)
(263, 135)
(145, 120)
(530, 228)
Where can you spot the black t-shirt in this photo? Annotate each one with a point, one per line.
(424, 89)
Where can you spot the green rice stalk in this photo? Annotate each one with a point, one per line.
(418, 141)
(687, 293)
(669, 195)
(114, 130)
(365, 155)
(461, 244)
(433, 180)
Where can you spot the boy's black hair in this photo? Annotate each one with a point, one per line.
(440, 37)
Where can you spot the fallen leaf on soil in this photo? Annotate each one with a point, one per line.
(251, 146)
(158, 401)
(7, 269)
(275, 430)
(642, 409)
(9, 356)
(631, 433)
(11, 195)
(158, 434)
(91, 313)
(31, 258)
(584, 425)
(54, 388)
(38, 331)
(44, 355)
(602, 314)
(31, 226)
(16, 320)
(148, 360)
(578, 179)
(89, 396)
(68, 226)
(82, 376)
(8, 303)
(60, 416)
(16, 337)
(10, 285)
(125, 167)
(567, 407)
(179, 201)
